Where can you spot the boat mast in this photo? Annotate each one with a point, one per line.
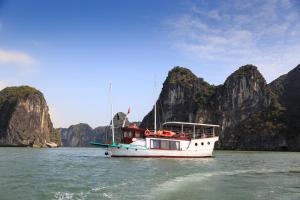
(154, 108)
(155, 117)
(112, 117)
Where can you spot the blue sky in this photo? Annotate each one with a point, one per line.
(72, 50)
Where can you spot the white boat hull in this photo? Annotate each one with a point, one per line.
(195, 148)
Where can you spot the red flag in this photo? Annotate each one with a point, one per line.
(128, 110)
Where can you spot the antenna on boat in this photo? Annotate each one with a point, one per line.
(112, 116)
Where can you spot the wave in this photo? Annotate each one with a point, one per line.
(97, 191)
(177, 184)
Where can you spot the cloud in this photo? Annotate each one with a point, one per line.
(3, 84)
(264, 33)
(16, 57)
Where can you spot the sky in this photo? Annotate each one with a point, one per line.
(71, 50)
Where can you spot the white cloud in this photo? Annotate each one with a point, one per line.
(3, 84)
(16, 57)
(264, 33)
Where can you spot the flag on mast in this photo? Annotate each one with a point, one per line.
(129, 109)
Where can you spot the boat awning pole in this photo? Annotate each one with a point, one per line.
(194, 132)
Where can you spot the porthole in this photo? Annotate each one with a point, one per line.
(196, 144)
(208, 143)
(202, 143)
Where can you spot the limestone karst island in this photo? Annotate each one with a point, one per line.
(253, 115)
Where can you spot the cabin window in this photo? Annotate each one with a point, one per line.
(130, 134)
(174, 145)
(127, 134)
(164, 144)
(155, 144)
(137, 134)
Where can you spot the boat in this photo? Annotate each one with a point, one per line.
(51, 144)
(188, 140)
(173, 140)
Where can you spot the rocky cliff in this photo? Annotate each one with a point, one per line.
(253, 114)
(81, 134)
(287, 89)
(24, 118)
(77, 135)
(249, 111)
(183, 98)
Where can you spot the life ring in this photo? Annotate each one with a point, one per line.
(147, 132)
(182, 135)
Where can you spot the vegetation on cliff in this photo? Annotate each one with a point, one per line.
(203, 98)
(181, 74)
(13, 94)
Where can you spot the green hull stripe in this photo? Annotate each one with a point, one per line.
(103, 145)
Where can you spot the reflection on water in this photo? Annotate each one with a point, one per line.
(80, 173)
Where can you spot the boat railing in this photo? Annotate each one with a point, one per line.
(199, 135)
(205, 135)
(189, 135)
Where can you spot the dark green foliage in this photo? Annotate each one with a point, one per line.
(181, 74)
(265, 122)
(270, 120)
(206, 93)
(13, 94)
(246, 71)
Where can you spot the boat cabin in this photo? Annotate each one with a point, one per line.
(174, 130)
(130, 133)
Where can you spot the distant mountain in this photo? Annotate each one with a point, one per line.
(253, 114)
(24, 118)
(81, 134)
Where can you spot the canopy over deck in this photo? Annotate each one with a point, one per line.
(189, 124)
(133, 127)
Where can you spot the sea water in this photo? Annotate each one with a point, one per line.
(81, 173)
